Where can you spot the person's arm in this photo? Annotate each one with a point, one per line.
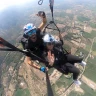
(31, 63)
(44, 20)
(49, 58)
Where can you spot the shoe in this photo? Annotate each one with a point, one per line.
(77, 82)
(83, 63)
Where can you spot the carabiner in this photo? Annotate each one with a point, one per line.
(40, 2)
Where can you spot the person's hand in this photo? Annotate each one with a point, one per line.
(47, 68)
(41, 14)
(50, 58)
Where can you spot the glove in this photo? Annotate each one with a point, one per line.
(41, 13)
(43, 69)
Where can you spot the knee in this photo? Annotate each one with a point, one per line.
(77, 71)
(81, 58)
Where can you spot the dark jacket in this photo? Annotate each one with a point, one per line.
(35, 47)
(58, 52)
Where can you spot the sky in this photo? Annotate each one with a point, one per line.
(6, 3)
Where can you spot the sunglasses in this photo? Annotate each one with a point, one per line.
(50, 43)
(30, 33)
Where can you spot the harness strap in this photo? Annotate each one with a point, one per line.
(13, 48)
(6, 49)
(51, 8)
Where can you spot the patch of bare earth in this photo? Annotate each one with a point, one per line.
(34, 79)
(61, 25)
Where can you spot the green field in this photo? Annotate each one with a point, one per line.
(90, 71)
(22, 92)
(61, 82)
(93, 25)
(82, 18)
(87, 91)
(89, 35)
(94, 47)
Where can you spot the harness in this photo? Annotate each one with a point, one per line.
(51, 3)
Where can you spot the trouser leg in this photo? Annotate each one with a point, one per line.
(72, 69)
(73, 58)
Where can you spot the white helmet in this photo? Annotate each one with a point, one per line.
(48, 38)
(28, 28)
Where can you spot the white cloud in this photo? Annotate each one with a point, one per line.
(6, 3)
